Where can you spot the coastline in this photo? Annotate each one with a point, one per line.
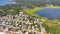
(31, 11)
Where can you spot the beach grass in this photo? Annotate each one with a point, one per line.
(32, 11)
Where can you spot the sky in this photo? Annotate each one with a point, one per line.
(4, 2)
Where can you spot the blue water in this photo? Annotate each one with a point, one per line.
(5, 2)
(50, 13)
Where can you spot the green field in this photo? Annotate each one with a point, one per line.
(31, 11)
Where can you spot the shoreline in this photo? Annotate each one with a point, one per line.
(31, 11)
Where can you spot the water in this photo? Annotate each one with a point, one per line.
(50, 13)
(6, 2)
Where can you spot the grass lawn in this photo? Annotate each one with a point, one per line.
(31, 11)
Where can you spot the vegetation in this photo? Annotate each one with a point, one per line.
(39, 2)
(52, 26)
(10, 9)
(31, 11)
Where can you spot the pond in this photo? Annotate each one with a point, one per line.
(50, 13)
